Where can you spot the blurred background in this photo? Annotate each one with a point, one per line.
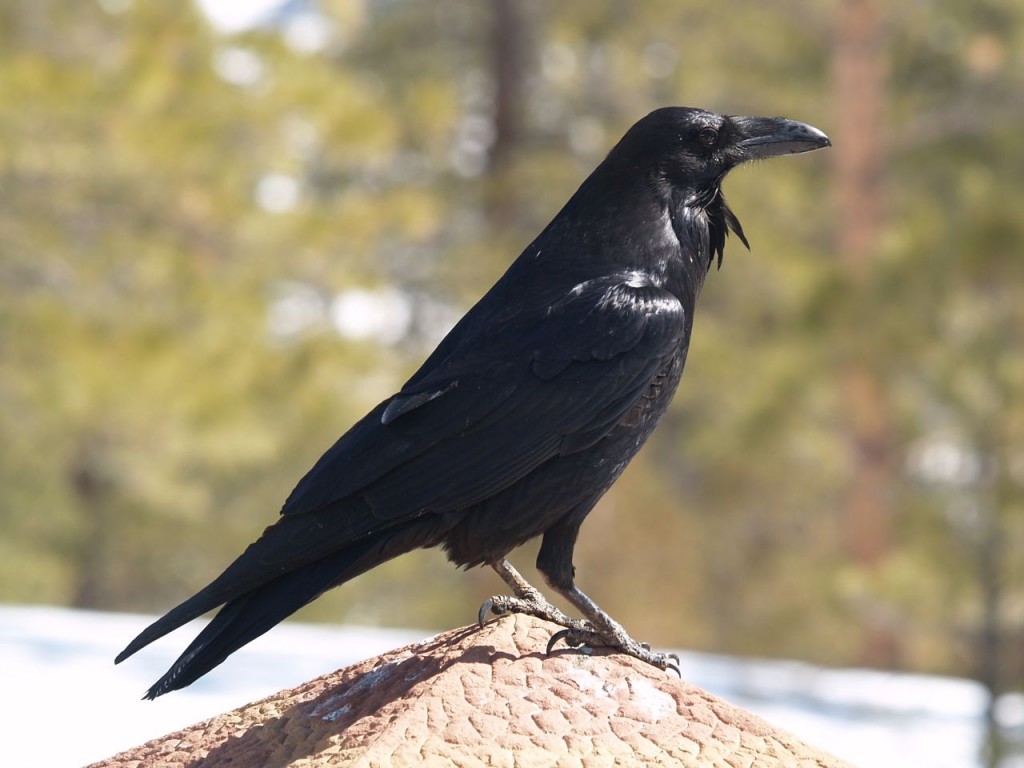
(229, 229)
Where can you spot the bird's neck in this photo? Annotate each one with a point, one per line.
(629, 223)
(700, 234)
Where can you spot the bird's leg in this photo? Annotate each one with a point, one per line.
(554, 561)
(602, 631)
(527, 599)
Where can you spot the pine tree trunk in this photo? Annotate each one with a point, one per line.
(859, 74)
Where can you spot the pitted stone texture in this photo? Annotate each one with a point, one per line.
(484, 697)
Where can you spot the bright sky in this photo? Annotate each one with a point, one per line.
(235, 15)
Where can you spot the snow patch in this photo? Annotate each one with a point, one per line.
(649, 699)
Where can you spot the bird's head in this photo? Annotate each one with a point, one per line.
(686, 153)
(691, 150)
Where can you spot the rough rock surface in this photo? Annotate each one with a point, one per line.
(484, 697)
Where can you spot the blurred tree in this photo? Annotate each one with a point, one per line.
(157, 183)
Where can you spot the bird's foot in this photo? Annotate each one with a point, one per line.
(531, 605)
(588, 637)
(600, 631)
(528, 600)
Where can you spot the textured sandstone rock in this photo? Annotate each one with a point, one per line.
(484, 697)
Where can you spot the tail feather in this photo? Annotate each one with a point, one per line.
(247, 617)
(192, 608)
(239, 622)
(288, 545)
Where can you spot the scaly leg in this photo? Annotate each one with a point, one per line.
(527, 600)
(602, 631)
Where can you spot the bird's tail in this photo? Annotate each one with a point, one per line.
(245, 618)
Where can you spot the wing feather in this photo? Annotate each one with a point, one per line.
(496, 408)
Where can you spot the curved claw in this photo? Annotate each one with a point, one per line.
(562, 634)
(481, 616)
(674, 668)
(674, 657)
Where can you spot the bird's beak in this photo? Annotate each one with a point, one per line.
(770, 136)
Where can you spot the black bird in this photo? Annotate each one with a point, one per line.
(528, 410)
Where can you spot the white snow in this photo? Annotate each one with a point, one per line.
(64, 703)
(656, 703)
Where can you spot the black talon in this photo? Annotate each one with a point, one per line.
(481, 617)
(674, 668)
(561, 634)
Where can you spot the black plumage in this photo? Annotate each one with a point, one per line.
(527, 411)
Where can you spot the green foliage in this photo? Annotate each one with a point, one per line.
(151, 422)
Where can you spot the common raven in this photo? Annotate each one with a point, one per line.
(527, 411)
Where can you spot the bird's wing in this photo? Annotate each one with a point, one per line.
(503, 403)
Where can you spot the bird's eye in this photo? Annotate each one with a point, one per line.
(708, 137)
